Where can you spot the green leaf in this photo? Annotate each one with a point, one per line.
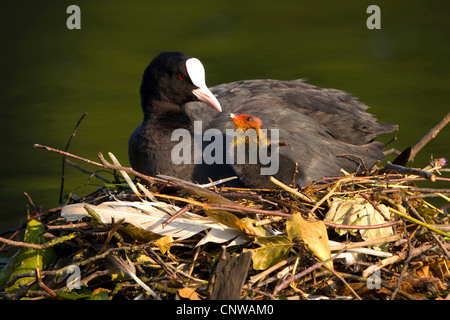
(84, 294)
(27, 260)
(273, 250)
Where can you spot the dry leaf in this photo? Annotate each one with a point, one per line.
(227, 219)
(312, 234)
(164, 243)
(188, 293)
(259, 231)
(361, 213)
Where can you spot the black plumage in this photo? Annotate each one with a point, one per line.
(322, 128)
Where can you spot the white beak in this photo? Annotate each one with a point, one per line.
(196, 72)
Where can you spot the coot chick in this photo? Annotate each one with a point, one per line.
(171, 80)
(304, 150)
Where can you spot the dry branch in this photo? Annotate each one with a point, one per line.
(429, 136)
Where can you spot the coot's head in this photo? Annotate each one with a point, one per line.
(176, 78)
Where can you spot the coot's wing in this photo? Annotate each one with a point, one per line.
(304, 141)
(341, 113)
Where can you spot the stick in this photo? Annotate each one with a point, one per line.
(352, 245)
(423, 224)
(110, 166)
(401, 169)
(319, 264)
(391, 260)
(177, 214)
(74, 132)
(435, 237)
(430, 135)
(290, 190)
(91, 173)
(374, 206)
(373, 226)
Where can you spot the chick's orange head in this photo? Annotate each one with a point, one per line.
(246, 121)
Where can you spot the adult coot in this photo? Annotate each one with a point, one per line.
(323, 130)
(171, 80)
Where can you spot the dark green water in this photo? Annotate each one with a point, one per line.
(51, 75)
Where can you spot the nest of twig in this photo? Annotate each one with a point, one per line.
(411, 262)
(374, 236)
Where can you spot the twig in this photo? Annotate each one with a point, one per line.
(172, 272)
(109, 166)
(42, 284)
(239, 208)
(373, 226)
(391, 260)
(414, 211)
(290, 190)
(402, 273)
(40, 146)
(382, 282)
(430, 135)
(24, 244)
(423, 224)
(361, 160)
(345, 283)
(366, 243)
(177, 214)
(64, 157)
(401, 169)
(259, 292)
(329, 194)
(299, 275)
(374, 206)
(92, 173)
(259, 276)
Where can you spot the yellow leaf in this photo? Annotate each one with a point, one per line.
(312, 234)
(164, 243)
(272, 250)
(188, 293)
(257, 231)
(145, 258)
(227, 219)
(99, 290)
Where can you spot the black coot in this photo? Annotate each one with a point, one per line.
(317, 126)
(170, 81)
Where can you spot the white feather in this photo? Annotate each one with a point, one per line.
(150, 216)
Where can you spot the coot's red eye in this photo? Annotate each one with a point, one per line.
(181, 76)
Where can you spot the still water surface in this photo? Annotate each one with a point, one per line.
(52, 75)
